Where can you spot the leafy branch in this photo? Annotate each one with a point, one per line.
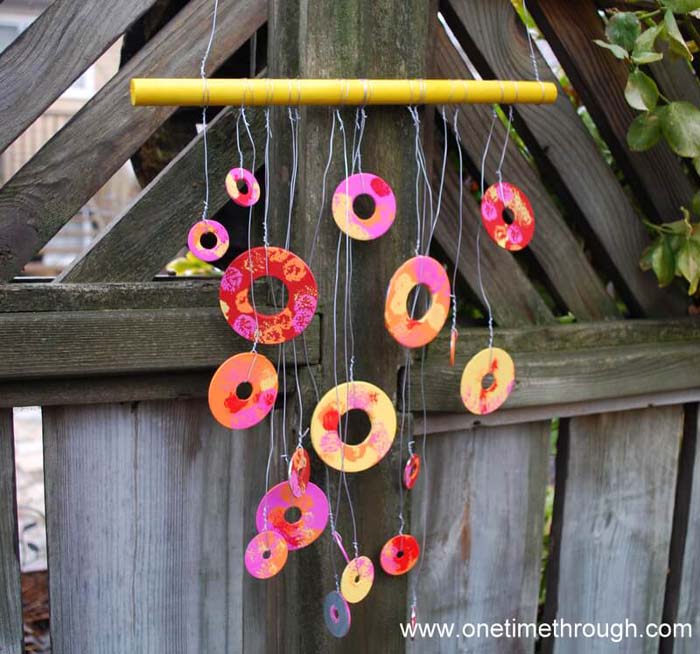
(636, 37)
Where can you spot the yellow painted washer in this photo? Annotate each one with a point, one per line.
(357, 579)
(326, 419)
(492, 361)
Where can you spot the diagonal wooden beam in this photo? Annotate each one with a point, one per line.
(496, 43)
(78, 160)
(32, 76)
(555, 247)
(139, 242)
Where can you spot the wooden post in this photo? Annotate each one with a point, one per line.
(354, 38)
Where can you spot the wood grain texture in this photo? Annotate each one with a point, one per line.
(70, 343)
(148, 234)
(483, 497)
(575, 375)
(514, 300)
(557, 250)
(495, 39)
(656, 175)
(51, 187)
(688, 610)
(618, 513)
(81, 32)
(148, 518)
(10, 589)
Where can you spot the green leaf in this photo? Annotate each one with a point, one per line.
(623, 29)
(642, 58)
(643, 52)
(682, 6)
(662, 261)
(680, 123)
(641, 91)
(696, 165)
(644, 132)
(676, 41)
(619, 52)
(688, 263)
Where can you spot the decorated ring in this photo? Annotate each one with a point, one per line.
(345, 215)
(235, 300)
(325, 423)
(399, 554)
(219, 234)
(243, 390)
(357, 579)
(278, 503)
(411, 471)
(266, 554)
(299, 471)
(406, 330)
(499, 197)
(236, 180)
(487, 380)
(336, 614)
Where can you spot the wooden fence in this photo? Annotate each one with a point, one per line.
(150, 503)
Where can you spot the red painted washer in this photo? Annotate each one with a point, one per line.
(399, 554)
(496, 200)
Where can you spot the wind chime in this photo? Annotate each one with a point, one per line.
(244, 389)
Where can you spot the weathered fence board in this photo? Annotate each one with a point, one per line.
(600, 80)
(617, 517)
(485, 511)
(495, 40)
(146, 528)
(514, 299)
(81, 31)
(689, 596)
(10, 591)
(51, 188)
(554, 246)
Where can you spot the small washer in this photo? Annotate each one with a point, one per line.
(252, 191)
(496, 200)
(266, 554)
(201, 229)
(384, 206)
(357, 579)
(494, 362)
(399, 554)
(336, 614)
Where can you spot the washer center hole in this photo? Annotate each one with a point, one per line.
(208, 240)
(508, 216)
(418, 301)
(354, 426)
(487, 381)
(242, 186)
(335, 614)
(292, 514)
(244, 390)
(357, 579)
(268, 292)
(364, 206)
(267, 554)
(399, 554)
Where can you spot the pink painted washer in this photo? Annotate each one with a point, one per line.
(266, 554)
(313, 505)
(384, 206)
(198, 231)
(299, 471)
(252, 192)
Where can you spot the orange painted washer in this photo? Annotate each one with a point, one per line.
(497, 363)
(411, 471)
(299, 471)
(233, 411)
(399, 554)
(325, 423)
(406, 330)
(266, 554)
(453, 346)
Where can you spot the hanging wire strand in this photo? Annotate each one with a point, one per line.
(442, 184)
(461, 220)
(531, 44)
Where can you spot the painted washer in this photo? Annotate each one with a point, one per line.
(357, 579)
(236, 299)
(326, 419)
(519, 233)
(384, 206)
(252, 194)
(481, 400)
(198, 231)
(399, 554)
(299, 471)
(314, 514)
(266, 554)
(411, 471)
(406, 330)
(232, 411)
(453, 346)
(336, 614)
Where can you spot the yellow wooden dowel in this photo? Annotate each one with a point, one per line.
(263, 92)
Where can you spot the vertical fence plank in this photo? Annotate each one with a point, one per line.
(689, 596)
(617, 519)
(10, 591)
(145, 508)
(485, 510)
